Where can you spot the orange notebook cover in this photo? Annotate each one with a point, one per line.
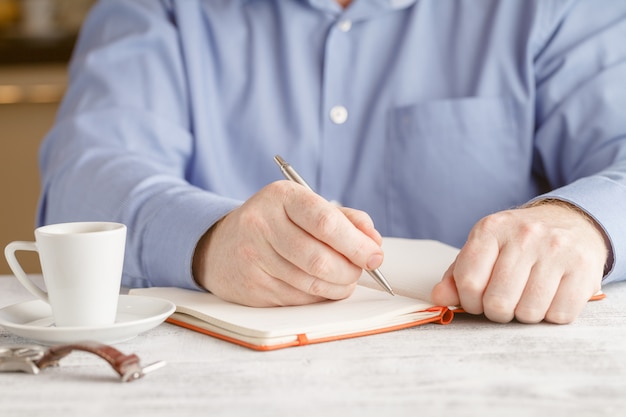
(412, 267)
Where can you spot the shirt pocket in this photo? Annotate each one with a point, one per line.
(450, 162)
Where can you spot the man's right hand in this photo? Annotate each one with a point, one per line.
(286, 246)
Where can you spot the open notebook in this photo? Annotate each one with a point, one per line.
(412, 267)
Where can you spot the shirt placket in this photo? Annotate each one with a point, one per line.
(337, 132)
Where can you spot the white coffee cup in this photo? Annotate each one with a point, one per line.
(82, 270)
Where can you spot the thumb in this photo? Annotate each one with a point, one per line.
(445, 292)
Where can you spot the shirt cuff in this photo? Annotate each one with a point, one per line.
(173, 233)
(602, 199)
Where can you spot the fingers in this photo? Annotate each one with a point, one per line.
(309, 266)
(244, 269)
(508, 279)
(541, 288)
(258, 289)
(286, 246)
(567, 302)
(530, 266)
(327, 223)
(575, 289)
(473, 269)
(445, 292)
(325, 244)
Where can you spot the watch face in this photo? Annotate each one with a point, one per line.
(20, 358)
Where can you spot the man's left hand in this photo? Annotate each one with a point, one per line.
(538, 263)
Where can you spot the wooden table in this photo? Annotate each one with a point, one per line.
(469, 368)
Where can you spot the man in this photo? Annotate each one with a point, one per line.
(494, 126)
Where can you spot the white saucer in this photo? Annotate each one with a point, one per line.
(135, 314)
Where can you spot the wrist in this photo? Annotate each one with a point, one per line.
(583, 214)
(198, 265)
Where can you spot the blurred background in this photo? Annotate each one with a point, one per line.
(36, 42)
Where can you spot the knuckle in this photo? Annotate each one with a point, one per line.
(469, 287)
(344, 292)
(529, 231)
(326, 224)
(558, 242)
(361, 219)
(282, 187)
(529, 315)
(584, 261)
(318, 287)
(492, 221)
(349, 276)
(359, 250)
(487, 228)
(560, 317)
(318, 265)
(322, 289)
(283, 190)
(498, 308)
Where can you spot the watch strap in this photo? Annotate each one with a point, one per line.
(127, 366)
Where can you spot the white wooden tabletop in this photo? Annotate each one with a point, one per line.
(469, 368)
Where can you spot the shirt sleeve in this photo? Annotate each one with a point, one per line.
(580, 71)
(120, 148)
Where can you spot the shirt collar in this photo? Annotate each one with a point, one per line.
(359, 9)
(363, 8)
(377, 5)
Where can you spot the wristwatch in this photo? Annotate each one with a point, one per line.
(33, 358)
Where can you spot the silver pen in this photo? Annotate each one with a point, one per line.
(292, 175)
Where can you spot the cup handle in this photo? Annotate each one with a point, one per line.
(9, 253)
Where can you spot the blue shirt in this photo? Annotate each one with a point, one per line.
(427, 114)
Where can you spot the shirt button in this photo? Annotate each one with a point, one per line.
(345, 25)
(338, 115)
